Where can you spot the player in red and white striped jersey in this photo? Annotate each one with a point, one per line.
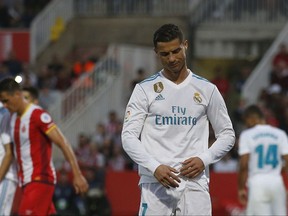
(33, 132)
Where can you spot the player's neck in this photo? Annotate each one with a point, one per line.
(177, 78)
(22, 108)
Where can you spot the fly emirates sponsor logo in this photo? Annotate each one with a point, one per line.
(178, 117)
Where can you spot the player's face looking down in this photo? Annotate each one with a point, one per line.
(10, 100)
(172, 56)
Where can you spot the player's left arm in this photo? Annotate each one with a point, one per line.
(285, 170)
(56, 136)
(7, 160)
(221, 123)
(242, 178)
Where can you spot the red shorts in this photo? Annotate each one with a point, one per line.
(36, 199)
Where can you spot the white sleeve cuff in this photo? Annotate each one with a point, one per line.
(5, 138)
(206, 158)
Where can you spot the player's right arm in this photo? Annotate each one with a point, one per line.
(242, 178)
(244, 153)
(136, 113)
(79, 182)
(8, 157)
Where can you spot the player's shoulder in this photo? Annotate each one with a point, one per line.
(263, 129)
(3, 111)
(277, 130)
(201, 81)
(37, 111)
(150, 80)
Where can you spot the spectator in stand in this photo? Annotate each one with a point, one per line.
(284, 120)
(5, 17)
(55, 65)
(117, 162)
(221, 81)
(279, 74)
(97, 159)
(116, 138)
(46, 78)
(113, 123)
(241, 78)
(141, 74)
(27, 16)
(31, 94)
(63, 81)
(100, 136)
(48, 97)
(14, 65)
(29, 78)
(81, 71)
(83, 150)
(80, 67)
(281, 55)
(270, 117)
(4, 71)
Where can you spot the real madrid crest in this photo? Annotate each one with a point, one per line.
(197, 98)
(158, 87)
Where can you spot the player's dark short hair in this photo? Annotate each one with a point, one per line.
(166, 33)
(253, 110)
(9, 85)
(33, 91)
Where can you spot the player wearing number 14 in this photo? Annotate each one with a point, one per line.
(262, 150)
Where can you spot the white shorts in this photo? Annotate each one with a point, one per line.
(184, 200)
(267, 196)
(7, 192)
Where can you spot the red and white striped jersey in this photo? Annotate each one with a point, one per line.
(33, 148)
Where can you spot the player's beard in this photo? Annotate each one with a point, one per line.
(176, 69)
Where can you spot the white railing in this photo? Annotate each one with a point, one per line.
(235, 11)
(134, 7)
(42, 25)
(79, 109)
(260, 77)
(84, 90)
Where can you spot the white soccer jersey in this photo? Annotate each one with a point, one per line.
(266, 145)
(167, 123)
(4, 140)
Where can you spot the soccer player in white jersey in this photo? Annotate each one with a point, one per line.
(8, 173)
(33, 132)
(166, 130)
(262, 150)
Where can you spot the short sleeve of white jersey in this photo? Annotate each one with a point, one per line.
(5, 138)
(243, 144)
(5, 129)
(284, 142)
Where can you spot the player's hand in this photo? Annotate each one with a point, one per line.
(166, 176)
(80, 184)
(192, 167)
(242, 196)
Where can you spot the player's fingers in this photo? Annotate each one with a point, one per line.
(175, 177)
(165, 183)
(185, 170)
(76, 189)
(172, 182)
(173, 170)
